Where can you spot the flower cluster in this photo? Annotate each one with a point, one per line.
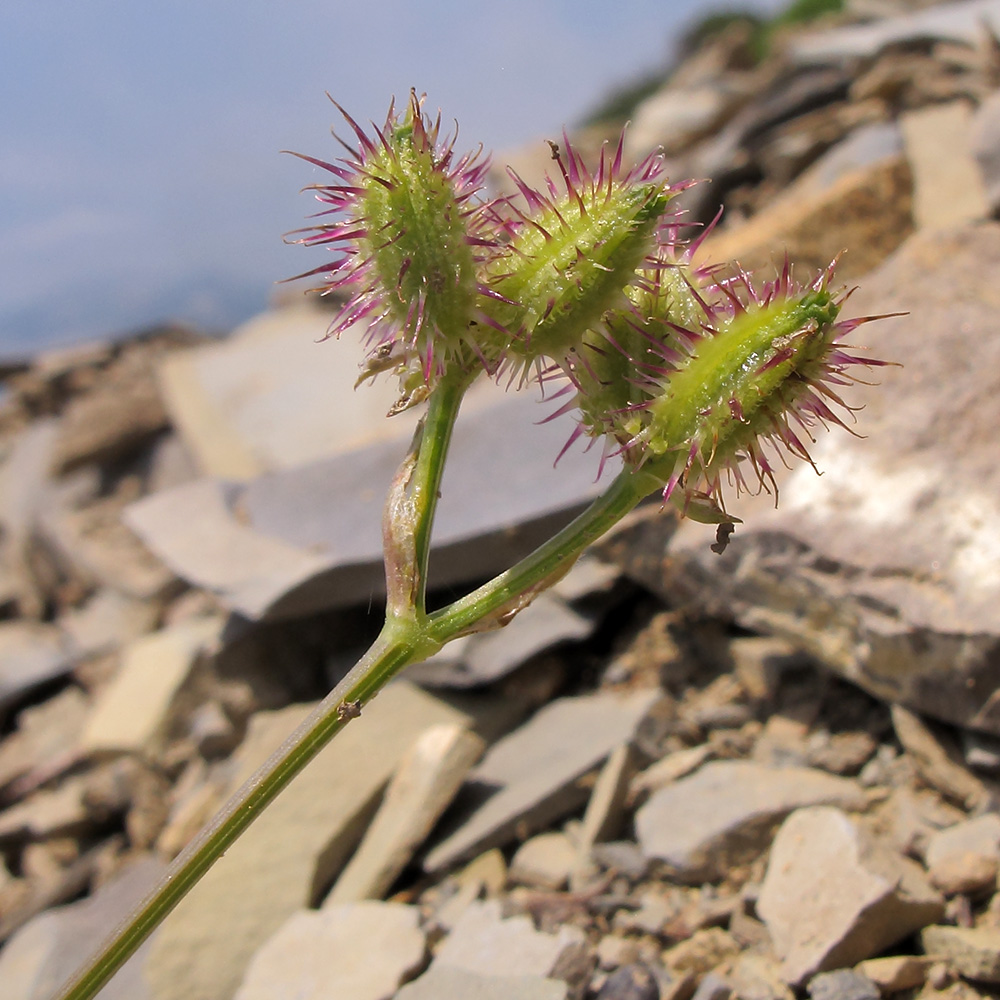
(687, 373)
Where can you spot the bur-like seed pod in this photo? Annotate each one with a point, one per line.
(573, 252)
(411, 231)
(706, 401)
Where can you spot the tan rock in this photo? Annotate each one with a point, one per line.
(832, 898)
(429, 775)
(363, 951)
(295, 849)
(605, 811)
(545, 861)
(704, 951)
(47, 813)
(723, 814)
(973, 952)
(536, 768)
(93, 545)
(866, 211)
(970, 874)
(948, 189)
(271, 396)
(897, 972)
(669, 769)
(46, 739)
(485, 943)
(934, 764)
(120, 413)
(132, 713)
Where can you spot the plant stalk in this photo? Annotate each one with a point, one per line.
(406, 638)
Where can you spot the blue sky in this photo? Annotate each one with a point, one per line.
(140, 173)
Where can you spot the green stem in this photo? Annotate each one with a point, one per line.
(411, 504)
(547, 563)
(398, 645)
(404, 639)
(442, 411)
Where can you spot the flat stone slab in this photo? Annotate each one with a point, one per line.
(309, 538)
(724, 813)
(360, 950)
(488, 945)
(948, 189)
(30, 655)
(423, 786)
(885, 568)
(442, 981)
(134, 709)
(272, 396)
(48, 949)
(294, 850)
(957, 22)
(529, 777)
(831, 898)
(973, 952)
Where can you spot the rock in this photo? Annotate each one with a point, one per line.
(30, 655)
(901, 574)
(910, 817)
(866, 210)
(713, 987)
(108, 620)
(132, 714)
(428, 776)
(947, 186)
(170, 464)
(704, 951)
(545, 861)
(832, 898)
(895, 973)
(630, 982)
(487, 656)
(614, 951)
(447, 981)
(364, 951)
(116, 416)
(605, 813)
(92, 546)
(48, 813)
(843, 984)
(46, 739)
(669, 769)
(211, 730)
(841, 753)
(960, 22)
(760, 660)
(309, 538)
(271, 397)
(484, 943)
(532, 773)
(756, 976)
(985, 138)
(286, 860)
(48, 949)
(675, 117)
(23, 478)
(589, 578)
(724, 814)
(964, 858)
(624, 857)
(973, 952)
(933, 762)
(982, 752)
(977, 836)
